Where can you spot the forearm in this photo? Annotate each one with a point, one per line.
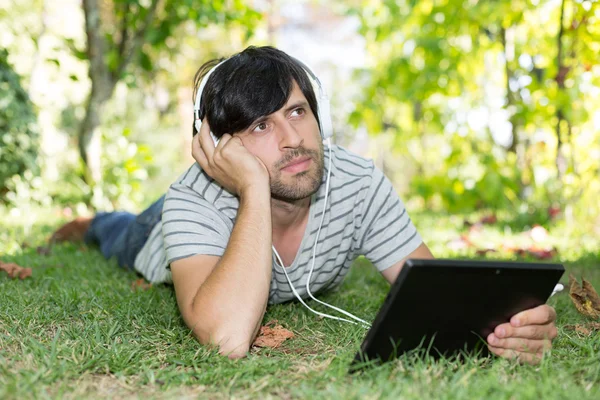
(231, 303)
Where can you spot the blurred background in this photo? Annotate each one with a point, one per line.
(485, 110)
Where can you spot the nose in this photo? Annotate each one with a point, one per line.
(289, 137)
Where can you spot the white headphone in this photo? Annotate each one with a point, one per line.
(326, 129)
(323, 108)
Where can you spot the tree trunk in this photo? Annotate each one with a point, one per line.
(561, 74)
(89, 137)
(102, 88)
(420, 127)
(507, 45)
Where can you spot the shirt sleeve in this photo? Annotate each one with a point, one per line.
(387, 234)
(191, 225)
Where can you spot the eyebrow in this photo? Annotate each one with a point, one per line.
(300, 103)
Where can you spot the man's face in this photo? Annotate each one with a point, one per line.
(288, 142)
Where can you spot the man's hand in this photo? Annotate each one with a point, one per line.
(229, 163)
(526, 337)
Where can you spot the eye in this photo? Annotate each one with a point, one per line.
(260, 127)
(298, 112)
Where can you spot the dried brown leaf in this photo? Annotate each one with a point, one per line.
(44, 250)
(483, 252)
(584, 297)
(542, 254)
(583, 330)
(489, 219)
(586, 329)
(15, 271)
(140, 284)
(591, 293)
(272, 335)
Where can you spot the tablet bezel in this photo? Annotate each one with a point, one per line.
(550, 272)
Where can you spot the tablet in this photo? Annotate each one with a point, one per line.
(444, 307)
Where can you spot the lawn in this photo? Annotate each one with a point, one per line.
(78, 329)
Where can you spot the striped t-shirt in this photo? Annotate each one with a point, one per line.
(364, 216)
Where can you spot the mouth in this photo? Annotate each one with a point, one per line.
(297, 165)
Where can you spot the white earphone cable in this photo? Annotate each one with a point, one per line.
(361, 321)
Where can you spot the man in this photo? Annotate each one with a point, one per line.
(262, 186)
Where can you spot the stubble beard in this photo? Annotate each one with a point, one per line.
(304, 184)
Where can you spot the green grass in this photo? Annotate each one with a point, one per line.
(77, 329)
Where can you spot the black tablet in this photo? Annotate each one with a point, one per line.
(446, 306)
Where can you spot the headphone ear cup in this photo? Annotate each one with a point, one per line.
(325, 117)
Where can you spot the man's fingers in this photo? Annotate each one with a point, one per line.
(519, 344)
(206, 142)
(528, 358)
(538, 332)
(198, 153)
(541, 315)
(223, 141)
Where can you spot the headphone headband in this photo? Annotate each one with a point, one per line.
(323, 107)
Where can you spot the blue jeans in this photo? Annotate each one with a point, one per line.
(123, 234)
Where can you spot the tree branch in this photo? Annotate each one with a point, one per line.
(510, 96)
(561, 70)
(135, 41)
(96, 46)
(124, 31)
(561, 73)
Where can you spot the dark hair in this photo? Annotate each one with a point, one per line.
(251, 84)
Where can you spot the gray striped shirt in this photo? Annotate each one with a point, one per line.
(364, 216)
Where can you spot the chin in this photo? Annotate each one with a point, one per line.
(291, 192)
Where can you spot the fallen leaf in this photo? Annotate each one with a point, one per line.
(43, 250)
(483, 252)
(489, 219)
(272, 335)
(13, 270)
(460, 243)
(554, 212)
(586, 329)
(485, 220)
(584, 297)
(140, 284)
(541, 254)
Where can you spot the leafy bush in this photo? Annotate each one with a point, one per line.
(473, 176)
(19, 137)
(125, 166)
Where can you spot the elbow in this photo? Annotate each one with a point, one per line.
(231, 345)
(234, 352)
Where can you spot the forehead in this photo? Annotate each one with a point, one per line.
(296, 95)
(296, 98)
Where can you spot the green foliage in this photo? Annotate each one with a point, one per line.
(157, 24)
(509, 86)
(18, 131)
(26, 190)
(126, 165)
(472, 176)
